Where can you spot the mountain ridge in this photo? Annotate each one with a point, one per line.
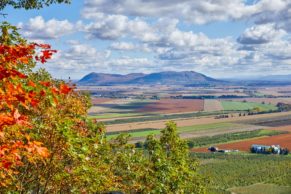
(160, 78)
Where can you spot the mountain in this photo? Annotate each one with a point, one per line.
(107, 79)
(162, 78)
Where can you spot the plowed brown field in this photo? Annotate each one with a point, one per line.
(97, 101)
(174, 106)
(284, 140)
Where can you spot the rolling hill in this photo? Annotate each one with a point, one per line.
(162, 78)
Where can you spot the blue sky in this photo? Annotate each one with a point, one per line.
(220, 38)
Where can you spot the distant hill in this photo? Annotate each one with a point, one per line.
(162, 78)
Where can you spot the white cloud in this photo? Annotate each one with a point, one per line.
(79, 57)
(198, 12)
(122, 46)
(261, 34)
(38, 28)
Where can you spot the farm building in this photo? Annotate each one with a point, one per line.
(264, 149)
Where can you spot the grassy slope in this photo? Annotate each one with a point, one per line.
(233, 105)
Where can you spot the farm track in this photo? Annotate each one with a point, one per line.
(190, 121)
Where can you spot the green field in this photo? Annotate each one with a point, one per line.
(146, 132)
(243, 106)
(262, 188)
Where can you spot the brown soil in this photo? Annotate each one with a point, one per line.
(174, 106)
(96, 101)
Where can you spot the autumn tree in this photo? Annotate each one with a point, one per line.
(18, 96)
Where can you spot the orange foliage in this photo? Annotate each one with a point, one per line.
(17, 96)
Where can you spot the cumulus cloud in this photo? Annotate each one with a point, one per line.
(38, 28)
(79, 57)
(124, 46)
(198, 12)
(111, 27)
(261, 34)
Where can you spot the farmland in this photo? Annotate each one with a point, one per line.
(244, 170)
(261, 188)
(195, 130)
(229, 137)
(235, 105)
(284, 140)
(208, 120)
(158, 122)
(212, 105)
(174, 106)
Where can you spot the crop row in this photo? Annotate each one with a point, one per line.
(232, 170)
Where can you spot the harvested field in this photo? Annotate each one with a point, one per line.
(273, 101)
(271, 122)
(192, 121)
(96, 101)
(212, 105)
(284, 140)
(113, 106)
(174, 106)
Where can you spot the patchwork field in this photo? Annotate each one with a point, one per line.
(191, 131)
(284, 140)
(159, 124)
(113, 108)
(276, 121)
(235, 105)
(273, 101)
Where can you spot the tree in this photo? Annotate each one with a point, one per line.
(18, 97)
(169, 168)
(29, 4)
